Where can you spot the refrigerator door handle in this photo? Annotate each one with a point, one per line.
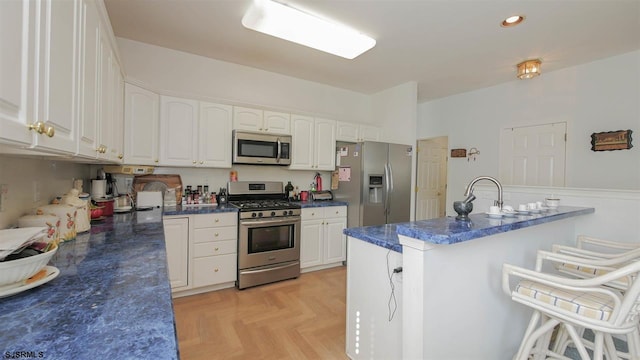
(390, 194)
(385, 195)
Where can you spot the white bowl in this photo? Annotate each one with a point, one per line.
(13, 271)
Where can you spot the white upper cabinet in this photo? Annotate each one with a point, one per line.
(214, 135)
(141, 126)
(15, 59)
(58, 71)
(277, 122)
(88, 95)
(356, 132)
(178, 131)
(261, 121)
(194, 133)
(314, 142)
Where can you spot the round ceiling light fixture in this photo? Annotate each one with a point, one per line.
(529, 69)
(512, 21)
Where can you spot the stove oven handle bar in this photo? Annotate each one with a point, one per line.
(284, 221)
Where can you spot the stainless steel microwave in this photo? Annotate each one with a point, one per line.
(260, 148)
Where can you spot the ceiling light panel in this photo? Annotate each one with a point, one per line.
(282, 21)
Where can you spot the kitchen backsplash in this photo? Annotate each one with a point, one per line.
(30, 182)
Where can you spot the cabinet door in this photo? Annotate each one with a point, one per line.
(346, 132)
(141, 125)
(325, 144)
(335, 242)
(58, 73)
(105, 135)
(15, 57)
(212, 270)
(369, 133)
(176, 237)
(276, 122)
(247, 119)
(311, 243)
(215, 135)
(178, 124)
(90, 65)
(302, 148)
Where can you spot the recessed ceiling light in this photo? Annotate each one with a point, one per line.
(279, 20)
(512, 21)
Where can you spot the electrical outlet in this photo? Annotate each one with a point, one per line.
(128, 184)
(36, 191)
(4, 191)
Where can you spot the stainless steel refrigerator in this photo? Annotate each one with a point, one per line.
(375, 179)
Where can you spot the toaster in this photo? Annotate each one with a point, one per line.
(321, 195)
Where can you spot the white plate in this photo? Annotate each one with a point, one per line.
(15, 288)
(494, 216)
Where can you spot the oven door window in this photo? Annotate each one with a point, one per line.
(260, 149)
(270, 238)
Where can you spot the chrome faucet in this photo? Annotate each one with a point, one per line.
(469, 190)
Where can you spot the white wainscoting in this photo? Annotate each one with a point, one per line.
(617, 215)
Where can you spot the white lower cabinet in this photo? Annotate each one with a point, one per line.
(201, 252)
(215, 248)
(176, 237)
(322, 242)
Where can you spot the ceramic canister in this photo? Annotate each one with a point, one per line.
(82, 206)
(51, 222)
(67, 214)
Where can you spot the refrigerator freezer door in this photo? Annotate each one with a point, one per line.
(373, 193)
(349, 191)
(400, 170)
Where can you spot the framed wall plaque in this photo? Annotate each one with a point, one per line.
(611, 140)
(458, 153)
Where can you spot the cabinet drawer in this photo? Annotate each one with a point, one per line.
(312, 213)
(214, 270)
(215, 234)
(215, 248)
(211, 220)
(335, 211)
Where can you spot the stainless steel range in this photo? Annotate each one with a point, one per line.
(268, 233)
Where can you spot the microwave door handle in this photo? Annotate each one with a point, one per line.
(279, 150)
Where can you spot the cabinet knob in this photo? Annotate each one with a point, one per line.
(267, 129)
(216, 249)
(50, 131)
(39, 127)
(216, 234)
(120, 156)
(216, 220)
(215, 270)
(201, 162)
(194, 162)
(156, 161)
(313, 214)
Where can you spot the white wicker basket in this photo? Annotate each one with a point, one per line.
(13, 271)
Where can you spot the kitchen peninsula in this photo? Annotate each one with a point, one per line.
(431, 289)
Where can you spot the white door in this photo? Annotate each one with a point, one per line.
(533, 155)
(178, 125)
(141, 122)
(214, 132)
(89, 92)
(247, 119)
(277, 123)
(176, 234)
(14, 70)
(335, 246)
(311, 244)
(325, 144)
(431, 192)
(302, 148)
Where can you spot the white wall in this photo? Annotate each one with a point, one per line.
(184, 74)
(599, 96)
(22, 175)
(395, 110)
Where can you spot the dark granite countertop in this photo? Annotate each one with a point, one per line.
(320, 203)
(448, 230)
(195, 210)
(112, 298)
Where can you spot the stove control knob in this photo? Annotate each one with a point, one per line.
(259, 214)
(284, 213)
(290, 212)
(253, 214)
(273, 213)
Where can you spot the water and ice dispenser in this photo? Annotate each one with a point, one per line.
(375, 189)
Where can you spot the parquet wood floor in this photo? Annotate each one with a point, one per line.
(302, 318)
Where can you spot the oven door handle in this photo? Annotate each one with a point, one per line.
(279, 150)
(252, 223)
(270, 268)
